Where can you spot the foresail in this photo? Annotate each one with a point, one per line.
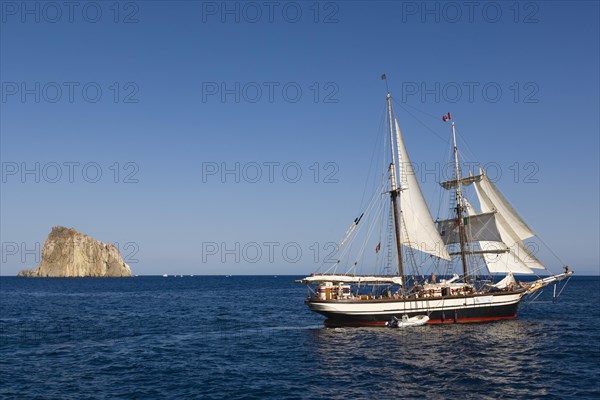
(503, 262)
(418, 229)
(491, 199)
(512, 229)
(524, 254)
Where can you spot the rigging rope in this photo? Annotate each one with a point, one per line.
(376, 145)
(421, 122)
(346, 243)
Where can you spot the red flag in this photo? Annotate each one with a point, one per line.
(446, 117)
(378, 247)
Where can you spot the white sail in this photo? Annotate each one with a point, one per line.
(521, 252)
(503, 262)
(418, 229)
(491, 199)
(506, 262)
(518, 258)
(508, 280)
(352, 279)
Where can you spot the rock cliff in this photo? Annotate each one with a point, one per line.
(68, 253)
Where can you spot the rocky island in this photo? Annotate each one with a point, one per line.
(68, 253)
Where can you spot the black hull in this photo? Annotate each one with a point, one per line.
(462, 315)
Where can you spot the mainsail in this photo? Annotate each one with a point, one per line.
(418, 229)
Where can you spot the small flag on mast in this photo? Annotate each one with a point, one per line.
(357, 220)
(446, 117)
(378, 247)
(383, 77)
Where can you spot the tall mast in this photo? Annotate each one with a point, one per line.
(394, 194)
(459, 209)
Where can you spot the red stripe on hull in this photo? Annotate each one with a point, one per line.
(333, 323)
(468, 320)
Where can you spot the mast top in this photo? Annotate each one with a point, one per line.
(384, 78)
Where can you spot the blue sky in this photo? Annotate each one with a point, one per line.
(179, 97)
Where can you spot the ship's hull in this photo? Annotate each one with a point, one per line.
(457, 309)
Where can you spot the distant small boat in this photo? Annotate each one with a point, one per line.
(405, 321)
(165, 276)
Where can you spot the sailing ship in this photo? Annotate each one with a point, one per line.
(472, 241)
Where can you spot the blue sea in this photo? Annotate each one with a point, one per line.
(253, 337)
